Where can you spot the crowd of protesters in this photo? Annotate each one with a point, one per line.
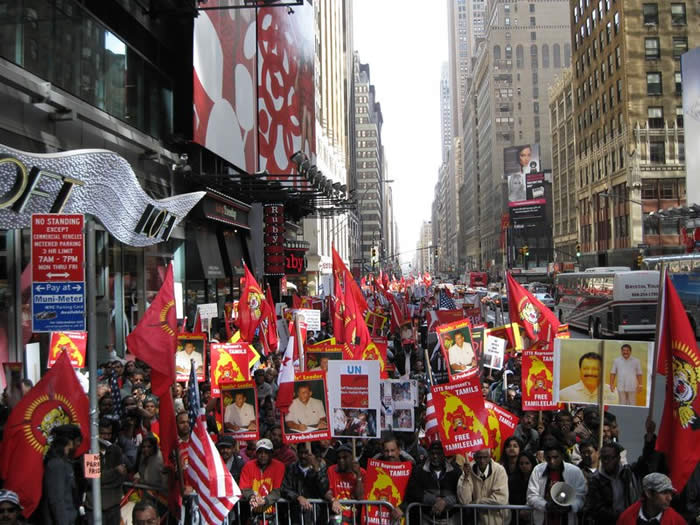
(607, 485)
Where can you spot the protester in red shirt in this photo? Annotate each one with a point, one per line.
(653, 507)
(345, 481)
(261, 479)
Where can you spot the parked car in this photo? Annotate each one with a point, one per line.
(545, 299)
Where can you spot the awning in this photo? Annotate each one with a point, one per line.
(204, 256)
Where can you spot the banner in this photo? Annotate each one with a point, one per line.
(438, 317)
(239, 406)
(473, 314)
(229, 362)
(72, 343)
(385, 481)
(317, 359)
(399, 398)
(353, 398)
(456, 344)
(307, 418)
(460, 412)
(538, 380)
(501, 425)
(190, 346)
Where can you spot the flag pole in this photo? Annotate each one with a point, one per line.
(660, 306)
(300, 343)
(601, 389)
(429, 367)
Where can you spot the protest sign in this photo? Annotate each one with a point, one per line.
(239, 406)
(307, 418)
(190, 346)
(501, 425)
(399, 398)
(460, 412)
(537, 380)
(494, 351)
(229, 362)
(385, 481)
(456, 343)
(72, 343)
(353, 398)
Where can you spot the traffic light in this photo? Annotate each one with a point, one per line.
(436, 251)
(578, 249)
(526, 250)
(640, 260)
(374, 253)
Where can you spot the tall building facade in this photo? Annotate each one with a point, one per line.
(564, 190)
(369, 163)
(527, 45)
(445, 112)
(424, 250)
(630, 156)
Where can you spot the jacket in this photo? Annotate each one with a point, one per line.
(490, 491)
(58, 504)
(572, 475)
(110, 479)
(425, 487)
(312, 485)
(599, 500)
(629, 517)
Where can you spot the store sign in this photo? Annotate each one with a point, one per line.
(230, 212)
(294, 262)
(273, 218)
(96, 182)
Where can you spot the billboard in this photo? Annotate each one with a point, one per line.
(529, 200)
(521, 159)
(253, 85)
(690, 74)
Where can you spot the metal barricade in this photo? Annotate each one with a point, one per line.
(415, 514)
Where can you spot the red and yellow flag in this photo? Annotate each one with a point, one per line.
(679, 361)
(252, 308)
(540, 324)
(58, 399)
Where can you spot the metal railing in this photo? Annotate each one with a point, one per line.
(457, 513)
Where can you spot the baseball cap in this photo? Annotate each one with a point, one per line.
(343, 448)
(225, 441)
(7, 496)
(657, 482)
(263, 443)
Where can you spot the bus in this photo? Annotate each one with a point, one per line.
(613, 301)
(684, 271)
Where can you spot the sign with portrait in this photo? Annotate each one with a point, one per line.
(456, 344)
(239, 406)
(229, 362)
(399, 398)
(307, 418)
(318, 359)
(72, 343)
(353, 398)
(190, 347)
(622, 373)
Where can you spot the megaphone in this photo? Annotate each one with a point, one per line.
(562, 493)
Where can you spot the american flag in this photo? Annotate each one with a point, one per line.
(431, 422)
(445, 302)
(116, 395)
(193, 403)
(208, 475)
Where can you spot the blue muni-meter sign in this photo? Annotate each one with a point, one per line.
(58, 307)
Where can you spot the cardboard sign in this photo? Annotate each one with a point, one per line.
(317, 359)
(460, 412)
(385, 481)
(190, 346)
(73, 343)
(494, 352)
(353, 398)
(208, 311)
(399, 398)
(312, 318)
(91, 466)
(456, 343)
(239, 406)
(307, 418)
(501, 425)
(229, 362)
(537, 379)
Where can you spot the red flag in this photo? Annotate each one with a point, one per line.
(252, 307)
(338, 310)
(296, 301)
(396, 314)
(208, 475)
(285, 379)
(167, 428)
(55, 400)
(354, 303)
(679, 360)
(539, 322)
(154, 339)
(271, 321)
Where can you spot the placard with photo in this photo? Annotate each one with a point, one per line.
(239, 406)
(353, 398)
(189, 347)
(307, 417)
(456, 344)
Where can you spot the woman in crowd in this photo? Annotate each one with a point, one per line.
(511, 451)
(517, 483)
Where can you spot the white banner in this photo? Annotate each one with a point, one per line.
(353, 398)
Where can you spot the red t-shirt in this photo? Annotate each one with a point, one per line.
(262, 481)
(342, 485)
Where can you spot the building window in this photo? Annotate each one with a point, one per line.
(651, 48)
(657, 150)
(680, 46)
(679, 82)
(616, 20)
(496, 52)
(651, 14)
(533, 22)
(567, 55)
(610, 65)
(519, 57)
(532, 8)
(654, 83)
(533, 36)
(556, 56)
(509, 52)
(618, 57)
(507, 21)
(678, 14)
(679, 116)
(533, 56)
(619, 91)
(545, 56)
(650, 189)
(655, 117)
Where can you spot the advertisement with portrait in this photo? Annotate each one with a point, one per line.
(531, 210)
(239, 406)
(253, 91)
(521, 159)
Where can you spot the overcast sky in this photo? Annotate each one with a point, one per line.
(405, 43)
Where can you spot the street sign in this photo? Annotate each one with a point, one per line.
(58, 274)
